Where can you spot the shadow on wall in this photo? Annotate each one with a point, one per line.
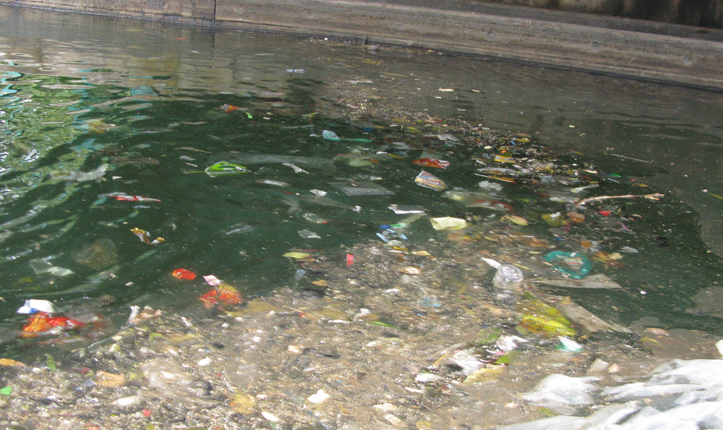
(702, 13)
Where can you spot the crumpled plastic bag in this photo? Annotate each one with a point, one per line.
(562, 390)
(448, 223)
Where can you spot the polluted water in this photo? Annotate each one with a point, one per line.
(283, 258)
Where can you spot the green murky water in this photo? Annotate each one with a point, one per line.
(93, 109)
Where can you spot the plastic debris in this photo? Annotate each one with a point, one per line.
(228, 108)
(509, 343)
(571, 264)
(246, 158)
(448, 223)
(362, 189)
(33, 306)
(273, 182)
(596, 281)
(145, 237)
(569, 344)
(407, 209)
(508, 277)
(329, 135)
(270, 417)
(432, 162)
(101, 254)
(42, 323)
(562, 390)
(427, 180)
(222, 294)
(183, 274)
(320, 397)
(308, 234)
(314, 218)
(224, 168)
(543, 319)
(296, 168)
(130, 198)
(41, 266)
(654, 197)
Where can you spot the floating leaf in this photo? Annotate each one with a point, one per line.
(515, 219)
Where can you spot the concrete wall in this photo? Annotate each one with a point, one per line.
(706, 13)
(608, 45)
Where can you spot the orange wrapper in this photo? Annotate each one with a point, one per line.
(222, 294)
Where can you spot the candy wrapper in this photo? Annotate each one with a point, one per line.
(146, 237)
(427, 180)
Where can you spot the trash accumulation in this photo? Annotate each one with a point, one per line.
(455, 312)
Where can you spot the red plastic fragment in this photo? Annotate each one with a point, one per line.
(42, 322)
(222, 294)
(184, 274)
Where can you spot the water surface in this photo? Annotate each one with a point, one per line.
(92, 108)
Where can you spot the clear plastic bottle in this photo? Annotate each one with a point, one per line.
(507, 281)
(508, 277)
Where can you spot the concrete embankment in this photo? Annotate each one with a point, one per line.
(617, 46)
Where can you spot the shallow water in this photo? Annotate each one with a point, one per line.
(145, 100)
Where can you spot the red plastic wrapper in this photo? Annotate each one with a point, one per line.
(222, 294)
(432, 162)
(184, 274)
(41, 322)
(349, 259)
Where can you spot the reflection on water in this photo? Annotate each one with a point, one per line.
(109, 126)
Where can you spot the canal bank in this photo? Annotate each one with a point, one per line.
(601, 44)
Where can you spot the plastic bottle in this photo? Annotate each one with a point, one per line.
(508, 277)
(507, 281)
